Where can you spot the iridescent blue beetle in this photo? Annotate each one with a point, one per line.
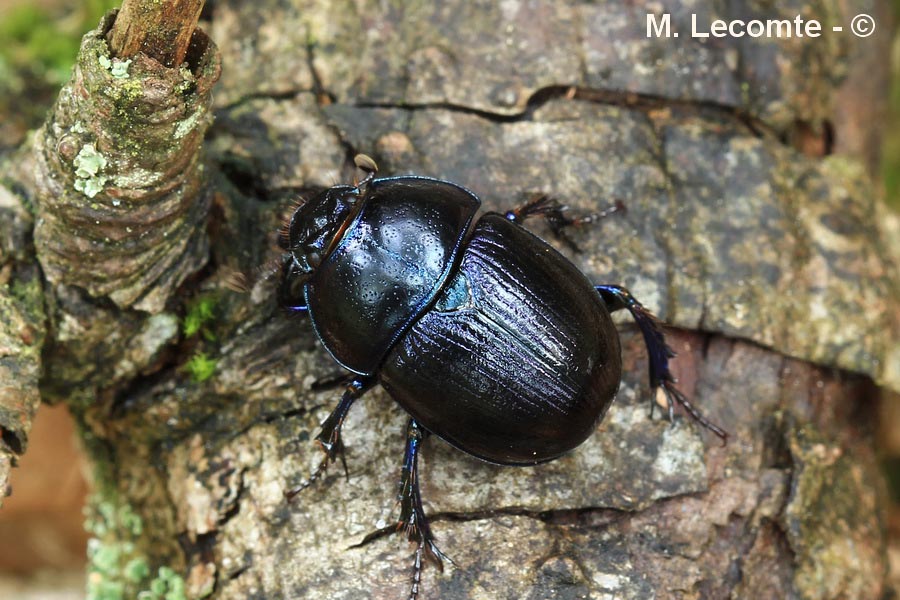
(487, 336)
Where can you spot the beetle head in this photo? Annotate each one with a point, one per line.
(318, 224)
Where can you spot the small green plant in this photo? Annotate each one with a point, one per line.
(201, 312)
(201, 367)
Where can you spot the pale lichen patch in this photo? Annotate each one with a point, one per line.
(88, 165)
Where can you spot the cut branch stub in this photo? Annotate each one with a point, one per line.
(161, 30)
(120, 195)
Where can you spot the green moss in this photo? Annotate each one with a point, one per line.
(201, 367)
(29, 292)
(125, 94)
(201, 312)
(24, 299)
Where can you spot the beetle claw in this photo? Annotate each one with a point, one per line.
(673, 394)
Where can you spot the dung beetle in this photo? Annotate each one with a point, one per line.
(487, 336)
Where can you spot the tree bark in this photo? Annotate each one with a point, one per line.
(764, 249)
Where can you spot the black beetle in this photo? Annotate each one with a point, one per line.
(487, 336)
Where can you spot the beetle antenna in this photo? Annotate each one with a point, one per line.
(366, 164)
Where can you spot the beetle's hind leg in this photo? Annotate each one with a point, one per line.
(412, 513)
(617, 298)
(557, 217)
(329, 437)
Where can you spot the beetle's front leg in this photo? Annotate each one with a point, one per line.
(288, 295)
(329, 437)
(557, 217)
(617, 298)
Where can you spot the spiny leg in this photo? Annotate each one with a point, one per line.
(617, 298)
(556, 216)
(329, 437)
(412, 513)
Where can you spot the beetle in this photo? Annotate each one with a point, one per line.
(487, 336)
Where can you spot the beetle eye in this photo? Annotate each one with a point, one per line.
(313, 259)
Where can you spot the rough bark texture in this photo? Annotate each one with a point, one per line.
(22, 332)
(771, 257)
(119, 182)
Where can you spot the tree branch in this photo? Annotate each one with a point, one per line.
(161, 30)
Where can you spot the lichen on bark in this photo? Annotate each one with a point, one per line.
(121, 197)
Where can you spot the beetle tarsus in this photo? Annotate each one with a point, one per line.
(673, 395)
(618, 298)
(329, 438)
(555, 214)
(417, 573)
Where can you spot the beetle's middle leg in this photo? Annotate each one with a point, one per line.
(617, 298)
(557, 217)
(329, 437)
